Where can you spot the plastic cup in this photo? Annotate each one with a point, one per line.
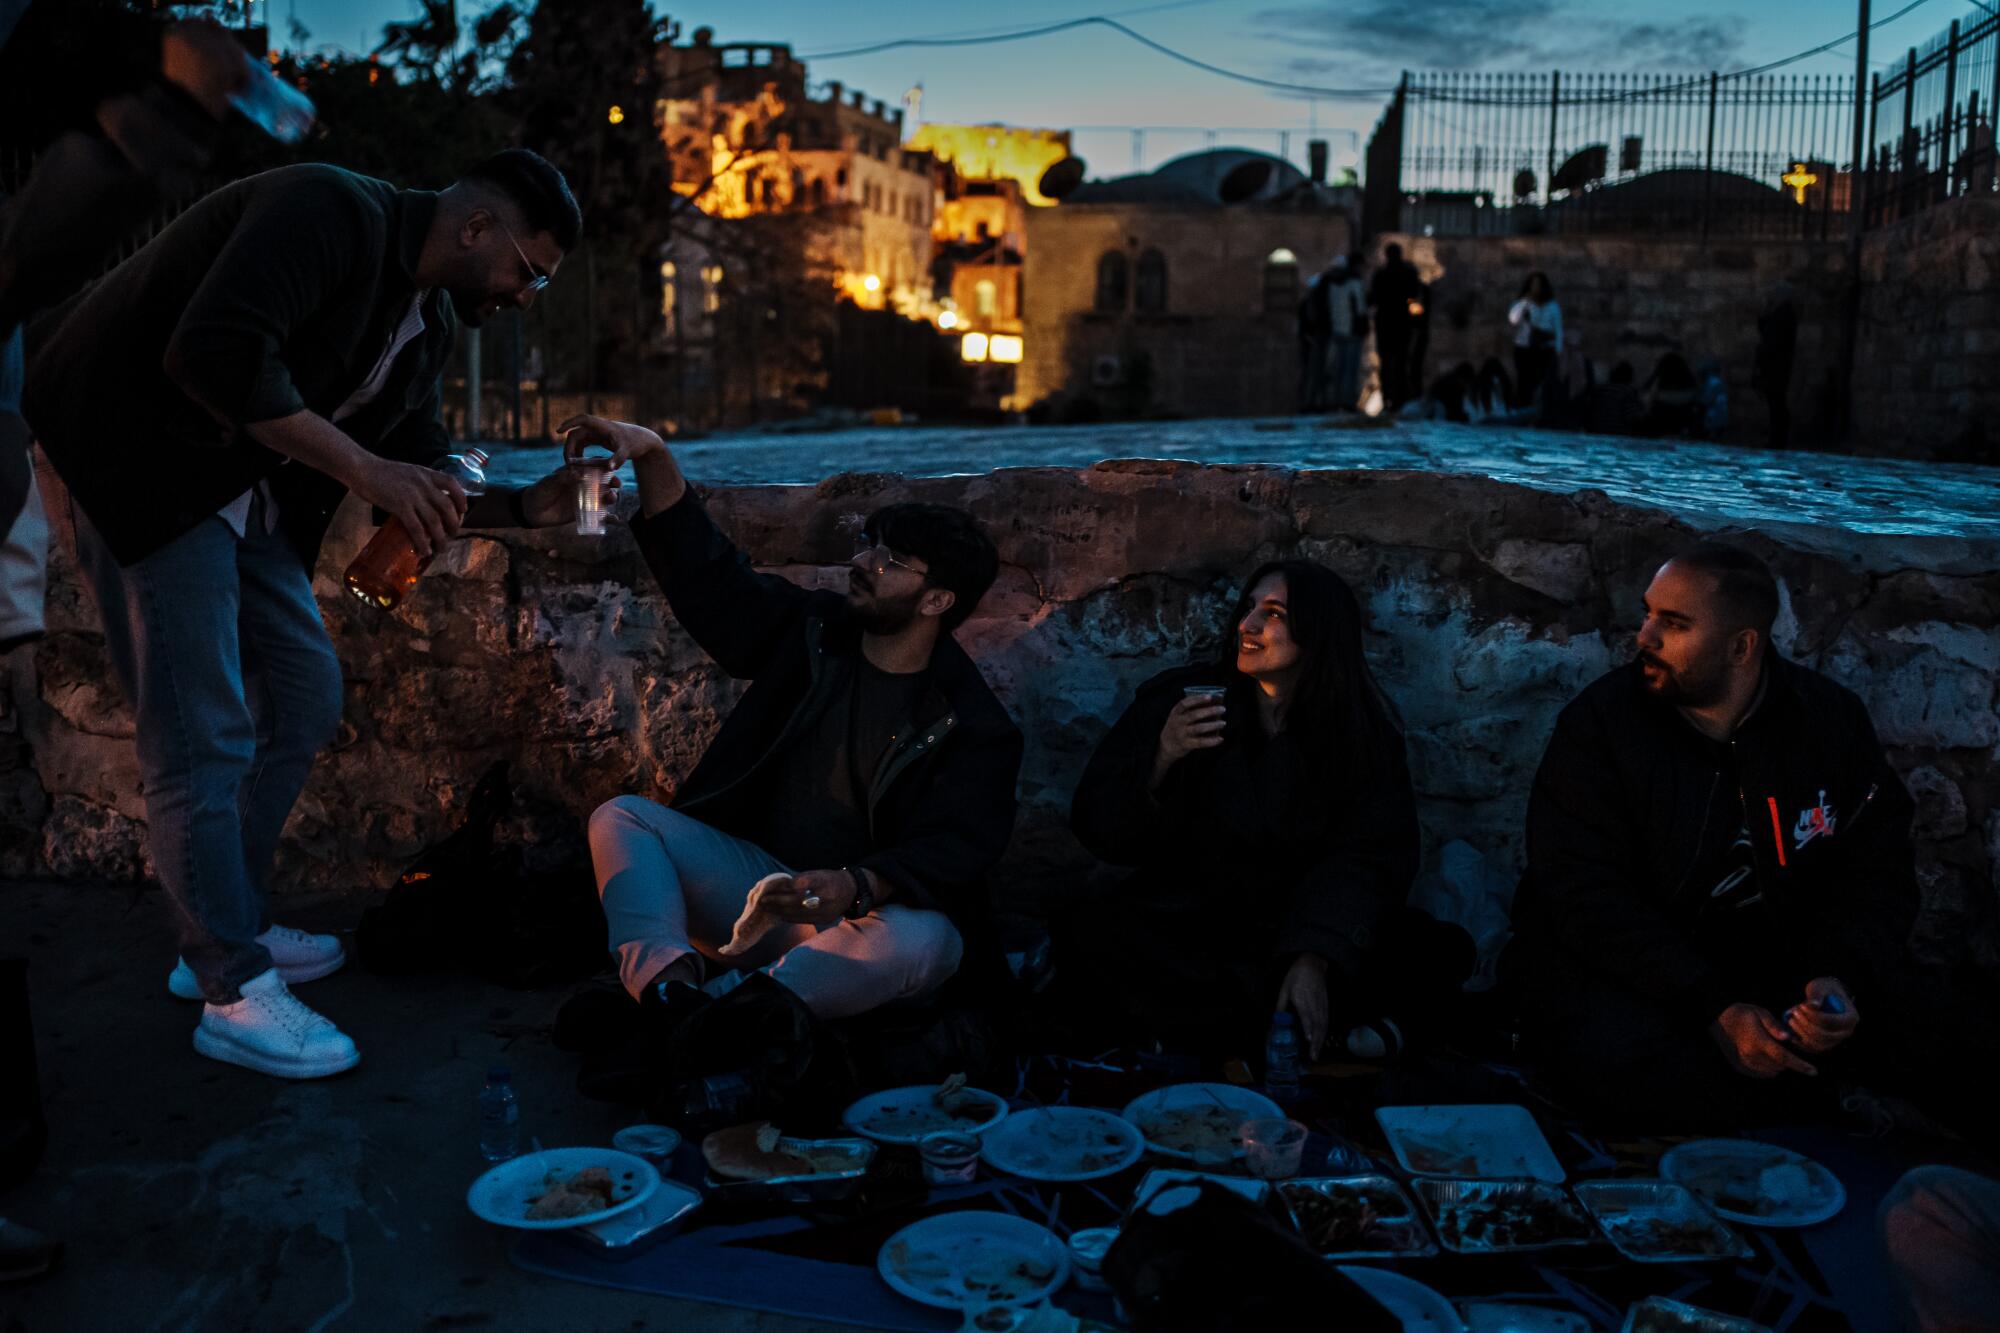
(655, 1143)
(1087, 1249)
(949, 1158)
(590, 494)
(1215, 692)
(1274, 1149)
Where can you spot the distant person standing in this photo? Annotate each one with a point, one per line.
(1538, 335)
(1397, 297)
(1777, 345)
(1347, 326)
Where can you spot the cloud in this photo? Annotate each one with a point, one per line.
(1373, 40)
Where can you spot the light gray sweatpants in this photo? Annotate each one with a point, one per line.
(672, 885)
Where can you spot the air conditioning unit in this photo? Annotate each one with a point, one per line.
(1107, 372)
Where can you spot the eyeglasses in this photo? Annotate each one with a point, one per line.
(876, 559)
(536, 278)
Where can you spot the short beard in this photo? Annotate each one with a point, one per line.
(888, 617)
(1699, 691)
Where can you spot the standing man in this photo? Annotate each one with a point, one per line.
(1720, 878)
(1396, 295)
(207, 405)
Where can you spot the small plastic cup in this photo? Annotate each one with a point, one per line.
(1216, 693)
(1273, 1149)
(655, 1143)
(949, 1158)
(1087, 1249)
(591, 494)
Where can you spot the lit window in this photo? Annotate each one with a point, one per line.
(670, 301)
(1281, 281)
(711, 297)
(986, 298)
(1005, 347)
(972, 347)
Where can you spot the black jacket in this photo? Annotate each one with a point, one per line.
(941, 808)
(1630, 805)
(273, 294)
(1296, 866)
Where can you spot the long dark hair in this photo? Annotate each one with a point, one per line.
(1345, 721)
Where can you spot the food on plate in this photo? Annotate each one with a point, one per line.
(1336, 1217)
(971, 1271)
(1755, 1187)
(1510, 1222)
(1665, 1235)
(759, 1151)
(950, 1106)
(1437, 1157)
(1206, 1128)
(587, 1191)
(1079, 1146)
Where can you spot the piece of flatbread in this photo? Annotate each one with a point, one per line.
(755, 923)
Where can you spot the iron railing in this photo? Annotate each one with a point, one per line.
(1654, 153)
(1931, 123)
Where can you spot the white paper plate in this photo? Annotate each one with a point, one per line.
(1223, 1099)
(1421, 1309)
(1788, 1190)
(1499, 1141)
(1062, 1143)
(904, 1115)
(502, 1195)
(954, 1258)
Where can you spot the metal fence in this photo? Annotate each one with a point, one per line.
(1931, 122)
(1471, 154)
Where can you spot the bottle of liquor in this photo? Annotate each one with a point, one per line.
(388, 567)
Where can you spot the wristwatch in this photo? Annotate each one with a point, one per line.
(864, 897)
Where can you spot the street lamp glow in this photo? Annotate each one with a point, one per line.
(972, 347)
(617, 115)
(872, 283)
(947, 321)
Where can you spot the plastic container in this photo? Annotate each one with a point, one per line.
(388, 566)
(1087, 1249)
(1281, 1060)
(499, 1117)
(949, 1158)
(655, 1143)
(591, 475)
(1274, 1149)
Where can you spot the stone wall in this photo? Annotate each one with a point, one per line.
(1491, 605)
(1632, 299)
(1928, 338)
(1214, 351)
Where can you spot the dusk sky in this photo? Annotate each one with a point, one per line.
(1096, 77)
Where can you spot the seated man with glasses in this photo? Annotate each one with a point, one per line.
(868, 767)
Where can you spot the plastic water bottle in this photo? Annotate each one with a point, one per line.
(1281, 1060)
(388, 566)
(499, 1117)
(274, 106)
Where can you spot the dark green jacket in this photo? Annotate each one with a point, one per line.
(274, 294)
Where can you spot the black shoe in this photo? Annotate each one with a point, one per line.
(599, 1017)
(634, 1068)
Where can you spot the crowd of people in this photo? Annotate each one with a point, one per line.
(1719, 869)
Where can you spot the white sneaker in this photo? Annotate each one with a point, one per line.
(297, 956)
(268, 1030)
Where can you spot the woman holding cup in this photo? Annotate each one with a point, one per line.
(1263, 802)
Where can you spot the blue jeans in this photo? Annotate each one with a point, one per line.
(219, 649)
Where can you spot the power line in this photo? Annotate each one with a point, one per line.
(1103, 21)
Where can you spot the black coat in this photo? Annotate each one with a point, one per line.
(1630, 806)
(274, 294)
(940, 809)
(1278, 863)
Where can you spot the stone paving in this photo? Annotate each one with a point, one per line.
(1705, 483)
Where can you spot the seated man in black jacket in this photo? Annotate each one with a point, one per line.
(1720, 878)
(868, 765)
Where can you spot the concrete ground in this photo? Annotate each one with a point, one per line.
(197, 1196)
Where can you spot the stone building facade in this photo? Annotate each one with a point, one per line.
(1179, 307)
